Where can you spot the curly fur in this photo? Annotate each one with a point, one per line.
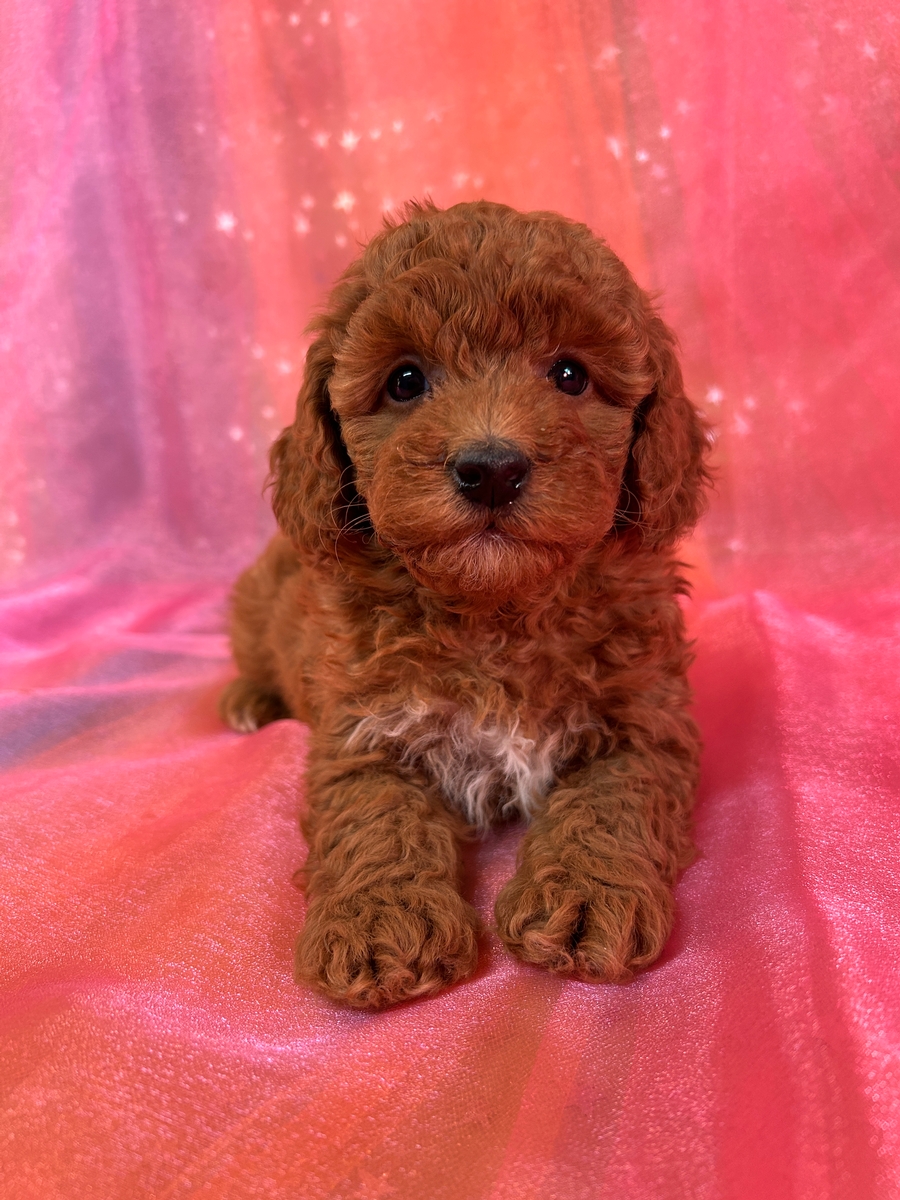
(459, 664)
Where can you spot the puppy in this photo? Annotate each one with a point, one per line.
(473, 603)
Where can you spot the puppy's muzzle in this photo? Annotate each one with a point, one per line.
(490, 473)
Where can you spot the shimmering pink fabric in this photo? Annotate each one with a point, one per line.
(180, 183)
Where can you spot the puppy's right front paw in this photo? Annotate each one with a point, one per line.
(379, 947)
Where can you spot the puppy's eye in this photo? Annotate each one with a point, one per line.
(406, 383)
(570, 377)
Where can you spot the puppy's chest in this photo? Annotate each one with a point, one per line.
(485, 765)
(491, 754)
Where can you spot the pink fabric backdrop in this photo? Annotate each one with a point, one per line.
(180, 183)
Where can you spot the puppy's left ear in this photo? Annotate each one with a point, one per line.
(667, 473)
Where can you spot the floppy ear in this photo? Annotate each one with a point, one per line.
(311, 475)
(666, 473)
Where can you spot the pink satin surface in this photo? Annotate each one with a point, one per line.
(180, 184)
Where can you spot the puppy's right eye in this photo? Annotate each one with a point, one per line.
(406, 383)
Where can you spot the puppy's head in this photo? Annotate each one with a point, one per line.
(490, 397)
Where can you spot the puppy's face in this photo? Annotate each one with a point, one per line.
(486, 397)
(493, 393)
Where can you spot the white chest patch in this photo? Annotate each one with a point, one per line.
(485, 770)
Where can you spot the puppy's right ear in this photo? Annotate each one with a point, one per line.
(311, 474)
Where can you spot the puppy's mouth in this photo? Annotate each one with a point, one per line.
(491, 562)
(494, 529)
(494, 535)
(498, 525)
(495, 520)
(499, 541)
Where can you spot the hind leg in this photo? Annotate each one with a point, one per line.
(247, 706)
(254, 699)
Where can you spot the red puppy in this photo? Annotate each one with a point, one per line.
(473, 603)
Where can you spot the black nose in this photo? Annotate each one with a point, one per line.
(490, 473)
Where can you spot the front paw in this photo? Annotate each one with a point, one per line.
(583, 927)
(378, 947)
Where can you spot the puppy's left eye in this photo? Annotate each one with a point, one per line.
(569, 376)
(406, 383)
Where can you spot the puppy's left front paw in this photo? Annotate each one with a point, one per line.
(583, 927)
